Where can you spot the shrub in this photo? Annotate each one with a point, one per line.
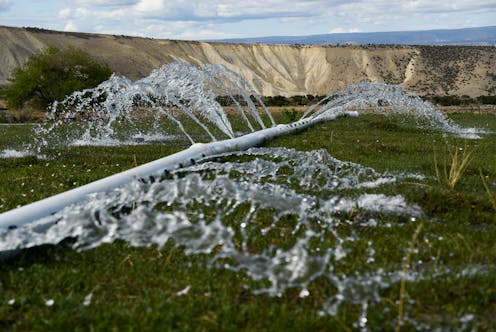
(51, 75)
(487, 100)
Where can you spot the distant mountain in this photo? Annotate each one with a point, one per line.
(483, 36)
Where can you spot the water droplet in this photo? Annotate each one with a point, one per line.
(87, 299)
(183, 292)
(304, 293)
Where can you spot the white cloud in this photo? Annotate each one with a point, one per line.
(232, 10)
(343, 30)
(5, 4)
(105, 2)
(84, 13)
(70, 26)
(225, 18)
(185, 30)
(150, 6)
(224, 9)
(207, 34)
(65, 13)
(369, 11)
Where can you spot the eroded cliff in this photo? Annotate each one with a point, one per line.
(277, 69)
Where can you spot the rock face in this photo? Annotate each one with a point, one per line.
(276, 69)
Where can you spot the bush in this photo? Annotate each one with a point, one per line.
(51, 75)
(487, 100)
(461, 100)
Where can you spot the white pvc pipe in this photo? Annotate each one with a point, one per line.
(31, 212)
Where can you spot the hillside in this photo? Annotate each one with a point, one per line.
(277, 69)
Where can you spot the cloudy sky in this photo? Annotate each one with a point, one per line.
(210, 19)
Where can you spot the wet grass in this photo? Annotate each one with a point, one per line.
(29, 179)
(140, 288)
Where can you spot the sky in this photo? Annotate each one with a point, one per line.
(220, 19)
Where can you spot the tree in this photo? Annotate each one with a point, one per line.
(51, 75)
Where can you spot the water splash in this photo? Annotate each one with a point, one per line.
(179, 101)
(313, 208)
(300, 200)
(12, 153)
(369, 97)
(227, 209)
(176, 95)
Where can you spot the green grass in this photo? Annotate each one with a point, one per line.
(135, 288)
(30, 179)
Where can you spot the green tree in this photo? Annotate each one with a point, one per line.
(51, 75)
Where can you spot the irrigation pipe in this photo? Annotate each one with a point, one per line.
(195, 154)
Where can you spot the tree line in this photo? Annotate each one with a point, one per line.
(307, 100)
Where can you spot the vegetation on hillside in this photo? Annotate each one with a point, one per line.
(461, 100)
(306, 100)
(51, 75)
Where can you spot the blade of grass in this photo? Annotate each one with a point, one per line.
(436, 169)
(458, 166)
(406, 266)
(492, 197)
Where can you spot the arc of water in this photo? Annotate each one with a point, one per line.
(251, 106)
(353, 92)
(190, 86)
(77, 103)
(220, 85)
(378, 94)
(177, 122)
(331, 105)
(222, 120)
(226, 73)
(314, 106)
(253, 92)
(188, 111)
(347, 102)
(177, 84)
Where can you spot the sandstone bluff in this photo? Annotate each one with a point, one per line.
(277, 69)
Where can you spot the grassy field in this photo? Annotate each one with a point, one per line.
(452, 247)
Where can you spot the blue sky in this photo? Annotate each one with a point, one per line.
(210, 19)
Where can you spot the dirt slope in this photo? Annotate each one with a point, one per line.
(277, 69)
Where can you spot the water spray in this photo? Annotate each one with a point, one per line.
(310, 201)
(192, 91)
(193, 155)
